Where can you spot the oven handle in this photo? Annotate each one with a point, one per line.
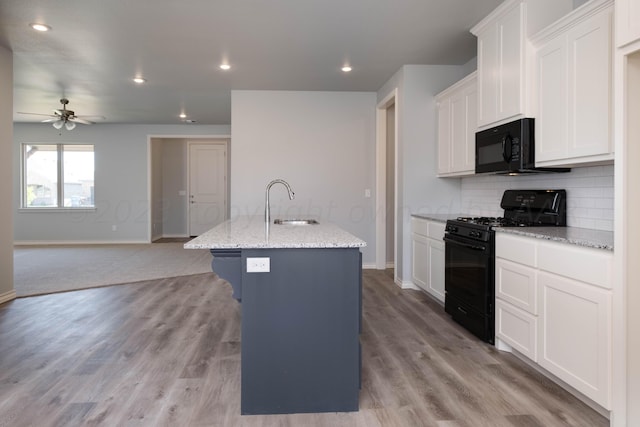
(466, 245)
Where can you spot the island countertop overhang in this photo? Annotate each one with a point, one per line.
(250, 232)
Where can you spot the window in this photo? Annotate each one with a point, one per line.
(57, 176)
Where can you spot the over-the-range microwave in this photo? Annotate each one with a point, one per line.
(509, 149)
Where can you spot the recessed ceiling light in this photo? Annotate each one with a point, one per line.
(183, 116)
(225, 66)
(346, 68)
(40, 27)
(139, 80)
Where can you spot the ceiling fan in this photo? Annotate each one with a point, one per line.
(64, 117)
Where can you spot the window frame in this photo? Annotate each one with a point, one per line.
(59, 148)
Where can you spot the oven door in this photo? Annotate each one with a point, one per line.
(469, 287)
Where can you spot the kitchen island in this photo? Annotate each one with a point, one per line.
(300, 290)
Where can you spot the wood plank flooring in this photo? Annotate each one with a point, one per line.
(167, 353)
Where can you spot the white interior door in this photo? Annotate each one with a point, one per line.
(207, 186)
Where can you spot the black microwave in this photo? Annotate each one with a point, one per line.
(509, 149)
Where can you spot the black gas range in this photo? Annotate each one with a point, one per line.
(470, 254)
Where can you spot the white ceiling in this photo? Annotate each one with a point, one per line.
(95, 47)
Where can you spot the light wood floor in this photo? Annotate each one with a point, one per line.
(167, 353)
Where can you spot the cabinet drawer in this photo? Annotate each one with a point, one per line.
(435, 230)
(517, 249)
(517, 328)
(516, 284)
(420, 226)
(593, 266)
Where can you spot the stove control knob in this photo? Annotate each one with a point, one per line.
(476, 234)
(451, 228)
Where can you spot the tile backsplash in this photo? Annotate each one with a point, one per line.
(589, 194)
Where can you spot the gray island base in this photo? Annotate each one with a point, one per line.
(300, 347)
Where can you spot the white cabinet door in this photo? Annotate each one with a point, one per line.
(590, 54)
(419, 261)
(511, 54)
(553, 100)
(488, 70)
(457, 125)
(501, 54)
(574, 87)
(627, 21)
(444, 135)
(435, 250)
(575, 335)
(463, 129)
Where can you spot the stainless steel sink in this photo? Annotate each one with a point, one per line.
(295, 222)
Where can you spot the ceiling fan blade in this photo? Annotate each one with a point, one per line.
(90, 118)
(54, 119)
(36, 114)
(77, 120)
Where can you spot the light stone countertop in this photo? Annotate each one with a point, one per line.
(437, 217)
(248, 232)
(589, 238)
(597, 239)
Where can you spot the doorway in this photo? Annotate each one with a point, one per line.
(386, 183)
(170, 187)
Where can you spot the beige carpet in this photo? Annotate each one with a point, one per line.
(47, 269)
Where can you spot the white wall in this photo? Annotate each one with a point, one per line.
(589, 194)
(321, 143)
(6, 166)
(121, 182)
(418, 188)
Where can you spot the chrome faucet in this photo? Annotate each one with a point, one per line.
(267, 208)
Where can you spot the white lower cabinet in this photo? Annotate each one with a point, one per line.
(553, 305)
(427, 256)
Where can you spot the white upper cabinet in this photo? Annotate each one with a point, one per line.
(627, 21)
(574, 88)
(504, 56)
(457, 128)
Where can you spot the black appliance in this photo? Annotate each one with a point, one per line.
(509, 149)
(470, 254)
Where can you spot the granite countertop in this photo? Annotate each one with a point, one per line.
(437, 217)
(249, 232)
(597, 239)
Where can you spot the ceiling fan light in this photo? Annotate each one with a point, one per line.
(70, 125)
(58, 124)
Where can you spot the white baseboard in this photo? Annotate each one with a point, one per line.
(406, 284)
(77, 242)
(7, 296)
(391, 265)
(373, 266)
